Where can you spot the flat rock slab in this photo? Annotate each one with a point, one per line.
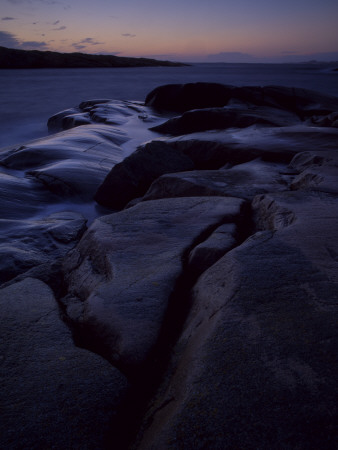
(256, 366)
(124, 271)
(53, 395)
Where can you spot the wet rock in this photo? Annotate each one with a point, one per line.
(67, 119)
(70, 163)
(21, 197)
(208, 150)
(25, 244)
(256, 362)
(243, 180)
(224, 118)
(50, 390)
(125, 269)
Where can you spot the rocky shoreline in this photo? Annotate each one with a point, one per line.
(205, 273)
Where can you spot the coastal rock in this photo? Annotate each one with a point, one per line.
(50, 390)
(183, 97)
(132, 177)
(25, 244)
(178, 97)
(70, 163)
(256, 362)
(205, 254)
(123, 274)
(318, 171)
(209, 150)
(224, 118)
(21, 197)
(243, 180)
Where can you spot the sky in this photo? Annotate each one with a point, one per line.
(178, 30)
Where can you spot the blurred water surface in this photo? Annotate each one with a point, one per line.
(29, 97)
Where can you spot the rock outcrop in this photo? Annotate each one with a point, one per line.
(210, 283)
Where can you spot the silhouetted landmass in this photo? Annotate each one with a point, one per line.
(35, 59)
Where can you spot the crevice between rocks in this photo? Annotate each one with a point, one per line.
(146, 380)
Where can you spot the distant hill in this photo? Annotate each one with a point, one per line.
(35, 59)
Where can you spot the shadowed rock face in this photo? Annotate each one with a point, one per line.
(124, 271)
(178, 97)
(256, 362)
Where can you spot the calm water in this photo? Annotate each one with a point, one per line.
(29, 97)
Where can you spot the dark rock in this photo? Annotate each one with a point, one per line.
(133, 176)
(208, 252)
(25, 244)
(223, 118)
(243, 180)
(50, 390)
(256, 364)
(183, 97)
(178, 97)
(123, 273)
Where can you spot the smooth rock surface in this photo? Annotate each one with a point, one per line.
(121, 276)
(243, 180)
(256, 365)
(53, 395)
(224, 118)
(25, 244)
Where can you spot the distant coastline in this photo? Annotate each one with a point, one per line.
(36, 59)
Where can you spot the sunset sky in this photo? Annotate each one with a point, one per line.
(182, 30)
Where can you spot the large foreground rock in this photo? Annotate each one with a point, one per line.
(123, 273)
(256, 366)
(53, 395)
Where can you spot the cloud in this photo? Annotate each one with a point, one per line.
(11, 41)
(55, 23)
(33, 45)
(85, 42)
(128, 35)
(8, 40)
(8, 18)
(60, 28)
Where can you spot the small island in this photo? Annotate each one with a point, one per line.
(11, 58)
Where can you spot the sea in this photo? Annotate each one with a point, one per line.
(29, 97)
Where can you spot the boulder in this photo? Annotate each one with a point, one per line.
(50, 390)
(256, 364)
(122, 277)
